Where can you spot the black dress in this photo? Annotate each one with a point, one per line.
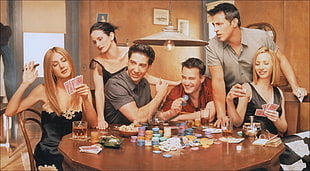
(106, 74)
(256, 103)
(53, 129)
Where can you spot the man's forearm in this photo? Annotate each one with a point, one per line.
(219, 99)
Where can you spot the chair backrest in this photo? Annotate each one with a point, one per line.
(265, 26)
(23, 119)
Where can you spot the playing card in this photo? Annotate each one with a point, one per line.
(72, 83)
(264, 106)
(259, 112)
(273, 107)
(90, 149)
(69, 88)
(77, 81)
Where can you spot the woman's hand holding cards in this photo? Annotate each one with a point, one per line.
(272, 115)
(83, 90)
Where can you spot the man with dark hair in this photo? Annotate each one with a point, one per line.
(230, 55)
(128, 94)
(196, 87)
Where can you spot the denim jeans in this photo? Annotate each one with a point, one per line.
(9, 71)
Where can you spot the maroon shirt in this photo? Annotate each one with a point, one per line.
(205, 96)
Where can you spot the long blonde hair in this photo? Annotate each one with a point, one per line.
(275, 76)
(51, 80)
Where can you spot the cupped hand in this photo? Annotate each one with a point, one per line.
(30, 73)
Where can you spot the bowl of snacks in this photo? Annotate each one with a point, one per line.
(128, 130)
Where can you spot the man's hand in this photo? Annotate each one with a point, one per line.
(300, 93)
(176, 106)
(220, 121)
(162, 87)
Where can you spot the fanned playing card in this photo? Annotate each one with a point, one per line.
(77, 81)
(273, 107)
(260, 112)
(71, 84)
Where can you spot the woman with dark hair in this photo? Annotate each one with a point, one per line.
(110, 61)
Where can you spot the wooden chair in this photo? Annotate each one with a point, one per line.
(292, 111)
(23, 119)
(264, 26)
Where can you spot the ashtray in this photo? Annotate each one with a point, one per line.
(111, 142)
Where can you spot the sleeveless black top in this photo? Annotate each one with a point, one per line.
(106, 74)
(256, 103)
(54, 127)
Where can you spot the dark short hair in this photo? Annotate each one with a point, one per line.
(229, 10)
(144, 49)
(107, 28)
(195, 63)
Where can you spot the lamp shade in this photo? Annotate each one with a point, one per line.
(172, 34)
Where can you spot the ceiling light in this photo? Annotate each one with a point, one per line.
(170, 37)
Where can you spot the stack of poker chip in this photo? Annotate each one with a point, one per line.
(148, 134)
(155, 141)
(140, 142)
(167, 132)
(133, 139)
(141, 131)
(182, 127)
(189, 131)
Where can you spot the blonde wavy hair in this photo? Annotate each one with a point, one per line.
(275, 76)
(50, 79)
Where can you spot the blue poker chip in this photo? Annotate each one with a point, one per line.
(157, 151)
(185, 97)
(167, 155)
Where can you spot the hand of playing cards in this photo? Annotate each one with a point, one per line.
(71, 84)
(268, 106)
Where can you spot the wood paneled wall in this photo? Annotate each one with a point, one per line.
(291, 22)
(135, 20)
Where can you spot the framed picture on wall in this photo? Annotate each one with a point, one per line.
(102, 17)
(183, 26)
(161, 16)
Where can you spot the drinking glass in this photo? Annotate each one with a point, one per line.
(227, 127)
(79, 130)
(154, 120)
(204, 117)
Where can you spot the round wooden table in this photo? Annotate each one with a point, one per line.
(130, 156)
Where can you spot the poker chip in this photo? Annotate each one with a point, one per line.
(157, 151)
(185, 97)
(167, 155)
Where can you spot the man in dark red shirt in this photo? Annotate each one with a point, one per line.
(196, 86)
